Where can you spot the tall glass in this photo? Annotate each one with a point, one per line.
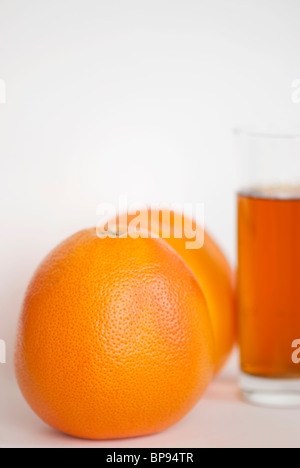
(269, 266)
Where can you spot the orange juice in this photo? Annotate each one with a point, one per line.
(269, 280)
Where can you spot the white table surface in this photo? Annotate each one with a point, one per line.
(220, 420)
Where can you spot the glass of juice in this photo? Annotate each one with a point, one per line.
(268, 279)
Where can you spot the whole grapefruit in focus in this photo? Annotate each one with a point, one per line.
(114, 339)
(209, 266)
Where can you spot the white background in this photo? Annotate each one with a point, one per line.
(131, 97)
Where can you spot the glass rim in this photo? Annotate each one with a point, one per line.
(290, 132)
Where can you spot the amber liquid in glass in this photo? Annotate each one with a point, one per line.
(269, 281)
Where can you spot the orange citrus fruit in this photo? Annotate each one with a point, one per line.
(114, 339)
(209, 266)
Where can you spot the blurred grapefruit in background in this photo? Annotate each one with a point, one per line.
(209, 265)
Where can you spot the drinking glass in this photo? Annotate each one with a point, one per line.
(268, 279)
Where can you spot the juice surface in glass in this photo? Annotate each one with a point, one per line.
(269, 280)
